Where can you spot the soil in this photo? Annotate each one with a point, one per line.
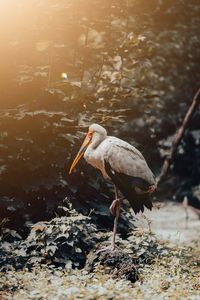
(170, 223)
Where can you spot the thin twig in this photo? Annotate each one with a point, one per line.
(99, 75)
(179, 136)
(50, 65)
(84, 54)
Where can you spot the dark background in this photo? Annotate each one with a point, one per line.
(132, 66)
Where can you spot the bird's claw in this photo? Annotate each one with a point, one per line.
(115, 248)
(109, 248)
(103, 250)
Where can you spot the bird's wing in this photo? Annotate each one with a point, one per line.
(126, 159)
(126, 184)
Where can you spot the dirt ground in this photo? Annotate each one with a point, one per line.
(169, 223)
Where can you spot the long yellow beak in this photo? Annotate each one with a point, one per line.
(81, 151)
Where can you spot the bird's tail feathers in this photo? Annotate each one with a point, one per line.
(126, 185)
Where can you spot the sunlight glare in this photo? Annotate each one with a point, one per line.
(64, 76)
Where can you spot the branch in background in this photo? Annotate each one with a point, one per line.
(84, 54)
(50, 65)
(98, 76)
(179, 136)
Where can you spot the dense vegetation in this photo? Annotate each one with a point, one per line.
(132, 66)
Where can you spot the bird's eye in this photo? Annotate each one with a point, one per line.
(90, 134)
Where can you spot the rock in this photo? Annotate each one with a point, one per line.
(117, 263)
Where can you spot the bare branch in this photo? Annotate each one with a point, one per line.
(179, 136)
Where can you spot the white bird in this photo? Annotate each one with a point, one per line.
(123, 164)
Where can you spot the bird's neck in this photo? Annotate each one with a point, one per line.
(96, 141)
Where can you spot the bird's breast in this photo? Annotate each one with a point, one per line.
(93, 159)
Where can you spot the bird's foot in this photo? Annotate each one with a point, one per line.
(109, 249)
(151, 188)
(105, 249)
(114, 207)
(115, 247)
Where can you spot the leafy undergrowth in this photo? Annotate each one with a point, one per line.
(61, 242)
(165, 271)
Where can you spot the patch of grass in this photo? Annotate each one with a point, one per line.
(174, 275)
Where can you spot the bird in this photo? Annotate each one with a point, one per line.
(121, 163)
(191, 203)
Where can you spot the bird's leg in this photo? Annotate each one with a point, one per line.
(115, 210)
(114, 204)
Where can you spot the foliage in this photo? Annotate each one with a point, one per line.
(174, 275)
(129, 65)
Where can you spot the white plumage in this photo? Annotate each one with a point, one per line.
(123, 164)
(122, 157)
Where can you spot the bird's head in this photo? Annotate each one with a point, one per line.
(95, 133)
